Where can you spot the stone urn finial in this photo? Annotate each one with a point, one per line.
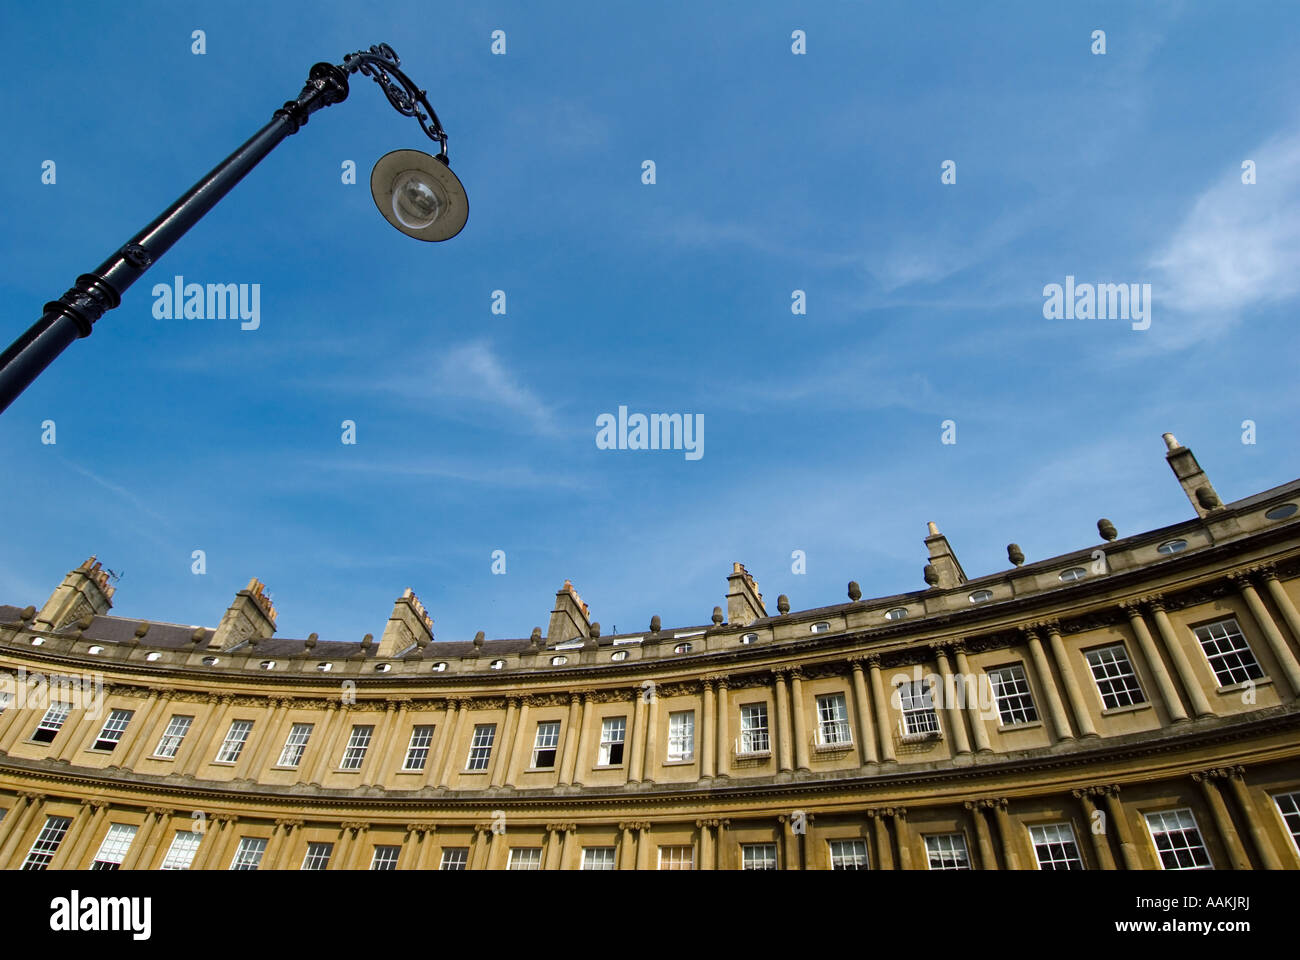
(655, 625)
(1015, 554)
(478, 640)
(535, 641)
(1208, 498)
(783, 604)
(310, 641)
(855, 592)
(931, 575)
(717, 616)
(1107, 529)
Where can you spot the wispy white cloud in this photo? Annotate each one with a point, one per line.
(1237, 248)
(518, 477)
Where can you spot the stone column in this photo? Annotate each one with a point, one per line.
(449, 752)
(92, 817)
(988, 860)
(507, 744)
(1200, 702)
(1282, 601)
(21, 821)
(812, 845)
(162, 827)
(903, 834)
(883, 726)
(439, 746)
(394, 756)
(971, 685)
(626, 847)
(139, 737)
(956, 723)
(862, 712)
(427, 845)
(707, 855)
(1073, 692)
(215, 726)
(278, 845)
(782, 733)
(724, 846)
(643, 845)
(324, 734)
(798, 719)
(479, 852)
(1250, 814)
(359, 852)
(1100, 845)
(580, 766)
(1010, 839)
(1222, 819)
(74, 734)
(1165, 683)
(707, 737)
(375, 767)
(569, 848)
(884, 853)
(1047, 684)
(133, 855)
(73, 837)
(1276, 642)
(9, 720)
(651, 759)
(1118, 818)
(252, 761)
(551, 846)
(791, 859)
(634, 740)
(572, 730)
(724, 729)
(213, 840)
(229, 843)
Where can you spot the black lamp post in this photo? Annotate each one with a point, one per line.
(417, 193)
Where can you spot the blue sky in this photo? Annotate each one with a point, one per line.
(774, 172)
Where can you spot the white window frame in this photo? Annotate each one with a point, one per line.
(47, 842)
(1055, 846)
(916, 703)
(295, 745)
(681, 735)
(833, 728)
(950, 850)
(354, 754)
(318, 855)
(480, 748)
(1012, 695)
(236, 738)
(755, 738)
(1112, 680)
(112, 730)
(610, 728)
(546, 739)
(679, 857)
(758, 856)
(1180, 821)
(250, 853)
(1229, 661)
(417, 748)
(55, 717)
(180, 855)
(169, 744)
(385, 856)
(525, 858)
(454, 858)
(1289, 811)
(848, 854)
(598, 858)
(113, 848)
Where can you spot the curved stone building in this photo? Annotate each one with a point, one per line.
(1131, 705)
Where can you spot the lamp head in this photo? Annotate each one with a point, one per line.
(419, 195)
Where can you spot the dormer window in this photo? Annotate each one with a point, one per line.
(1281, 512)
(38, 641)
(151, 657)
(1172, 546)
(559, 661)
(95, 650)
(1073, 574)
(440, 666)
(324, 666)
(820, 627)
(210, 661)
(749, 638)
(267, 664)
(618, 655)
(981, 596)
(682, 648)
(898, 613)
(496, 664)
(383, 667)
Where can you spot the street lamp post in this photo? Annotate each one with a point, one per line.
(417, 193)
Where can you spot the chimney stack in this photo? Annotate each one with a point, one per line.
(744, 602)
(251, 615)
(84, 592)
(571, 619)
(1194, 482)
(942, 560)
(408, 625)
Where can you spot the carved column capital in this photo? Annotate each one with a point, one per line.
(872, 660)
(288, 823)
(355, 825)
(160, 811)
